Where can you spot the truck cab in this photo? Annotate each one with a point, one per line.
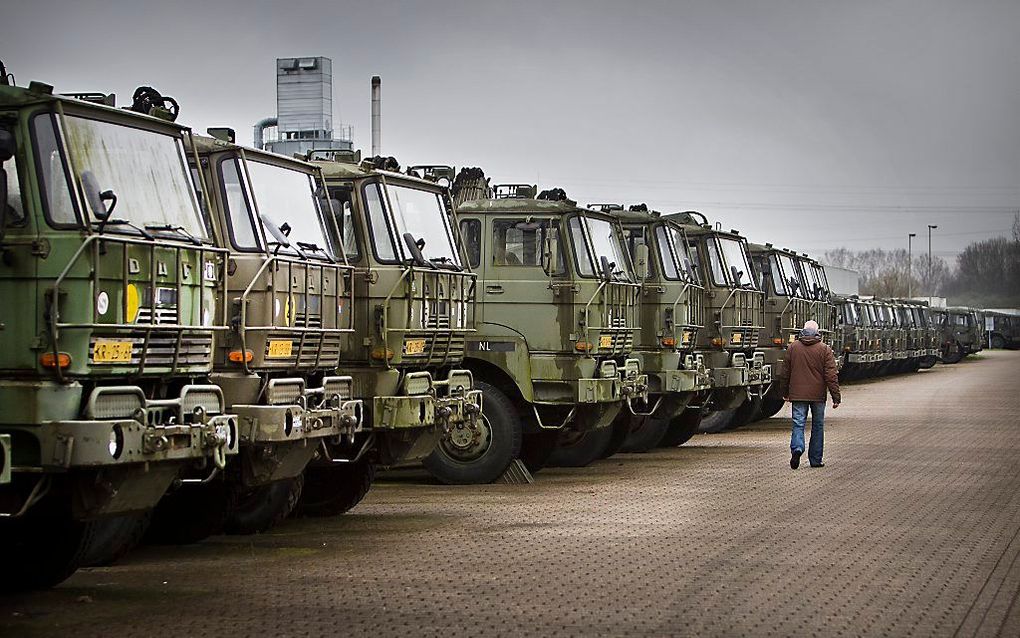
(556, 324)
(415, 309)
(734, 317)
(112, 285)
(290, 311)
(796, 291)
(672, 314)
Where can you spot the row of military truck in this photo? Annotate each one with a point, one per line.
(200, 337)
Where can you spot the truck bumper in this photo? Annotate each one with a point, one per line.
(120, 426)
(426, 402)
(5, 458)
(287, 417)
(614, 384)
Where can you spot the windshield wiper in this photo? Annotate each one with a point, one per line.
(313, 248)
(180, 230)
(124, 222)
(445, 262)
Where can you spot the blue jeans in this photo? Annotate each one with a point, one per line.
(800, 410)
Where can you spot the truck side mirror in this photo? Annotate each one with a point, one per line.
(3, 203)
(7, 146)
(550, 254)
(641, 261)
(415, 249)
(97, 197)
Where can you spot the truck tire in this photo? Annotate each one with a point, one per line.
(747, 413)
(260, 509)
(115, 536)
(645, 433)
(331, 490)
(484, 457)
(191, 513)
(953, 353)
(998, 342)
(682, 428)
(42, 550)
(537, 447)
(622, 425)
(580, 449)
(770, 407)
(716, 421)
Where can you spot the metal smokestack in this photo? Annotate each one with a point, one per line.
(376, 99)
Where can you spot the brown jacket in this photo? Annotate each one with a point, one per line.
(809, 369)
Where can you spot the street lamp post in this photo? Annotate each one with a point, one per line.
(931, 288)
(910, 266)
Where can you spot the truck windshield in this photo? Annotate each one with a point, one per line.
(673, 255)
(146, 169)
(285, 198)
(412, 210)
(791, 275)
(604, 243)
(737, 269)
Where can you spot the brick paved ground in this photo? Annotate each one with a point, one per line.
(913, 528)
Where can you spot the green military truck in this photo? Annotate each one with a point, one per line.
(289, 308)
(959, 334)
(1003, 330)
(111, 285)
(415, 308)
(556, 324)
(796, 291)
(734, 319)
(672, 314)
(859, 351)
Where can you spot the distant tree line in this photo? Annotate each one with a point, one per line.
(987, 273)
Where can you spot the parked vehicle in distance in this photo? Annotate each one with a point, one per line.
(1003, 330)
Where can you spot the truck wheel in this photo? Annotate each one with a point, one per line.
(537, 447)
(646, 432)
(715, 422)
(747, 413)
(115, 536)
(770, 407)
(191, 513)
(580, 449)
(622, 425)
(260, 509)
(471, 457)
(998, 342)
(954, 353)
(331, 490)
(41, 551)
(928, 362)
(682, 428)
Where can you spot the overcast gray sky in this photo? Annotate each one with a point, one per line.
(811, 124)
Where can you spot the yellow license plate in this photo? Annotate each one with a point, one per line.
(685, 337)
(605, 342)
(279, 349)
(414, 346)
(737, 337)
(112, 351)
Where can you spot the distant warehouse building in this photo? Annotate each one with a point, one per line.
(843, 281)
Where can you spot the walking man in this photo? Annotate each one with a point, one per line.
(810, 369)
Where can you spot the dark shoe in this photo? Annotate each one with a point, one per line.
(818, 465)
(795, 460)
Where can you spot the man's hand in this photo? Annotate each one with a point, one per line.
(835, 404)
(786, 399)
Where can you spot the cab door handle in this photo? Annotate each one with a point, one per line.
(494, 289)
